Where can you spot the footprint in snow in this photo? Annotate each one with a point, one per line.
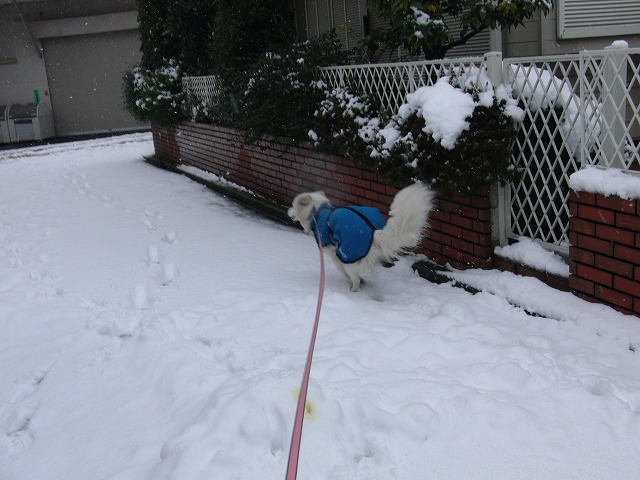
(170, 237)
(16, 420)
(152, 221)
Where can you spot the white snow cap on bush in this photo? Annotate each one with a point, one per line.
(444, 109)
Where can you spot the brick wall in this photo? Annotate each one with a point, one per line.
(460, 232)
(605, 250)
(604, 231)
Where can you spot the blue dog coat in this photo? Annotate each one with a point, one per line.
(349, 229)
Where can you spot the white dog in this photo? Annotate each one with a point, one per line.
(358, 238)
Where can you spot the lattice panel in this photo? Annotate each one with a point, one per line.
(612, 81)
(206, 89)
(579, 110)
(391, 82)
(546, 148)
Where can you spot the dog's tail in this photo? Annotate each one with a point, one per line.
(407, 222)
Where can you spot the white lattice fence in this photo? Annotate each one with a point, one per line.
(206, 89)
(579, 109)
(391, 82)
(545, 149)
(611, 80)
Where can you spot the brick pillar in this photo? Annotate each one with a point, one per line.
(605, 250)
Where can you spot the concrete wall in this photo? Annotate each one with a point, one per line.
(74, 55)
(19, 79)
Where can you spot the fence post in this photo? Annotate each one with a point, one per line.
(614, 106)
(498, 194)
(493, 64)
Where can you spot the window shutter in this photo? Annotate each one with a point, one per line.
(598, 18)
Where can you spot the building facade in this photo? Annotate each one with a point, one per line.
(571, 26)
(72, 55)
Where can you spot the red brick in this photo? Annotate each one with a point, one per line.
(586, 298)
(471, 237)
(613, 265)
(481, 202)
(439, 237)
(630, 222)
(616, 203)
(613, 297)
(585, 198)
(594, 274)
(460, 256)
(466, 223)
(484, 215)
(463, 245)
(614, 234)
(582, 226)
(504, 264)
(482, 227)
(572, 268)
(440, 215)
(527, 271)
(558, 282)
(593, 244)
(431, 246)
(452, 230)
(573, 209)
(581, 285)
(627, 253)
(626, 285)
(583, 256)
(596, 214)
(483, 251)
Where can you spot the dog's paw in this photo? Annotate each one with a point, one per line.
(356, 284)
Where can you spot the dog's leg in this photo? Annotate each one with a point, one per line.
(351, 273)
(331, 252)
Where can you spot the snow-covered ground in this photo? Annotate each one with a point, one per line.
(151, 329)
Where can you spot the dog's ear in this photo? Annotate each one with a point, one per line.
(304, 200)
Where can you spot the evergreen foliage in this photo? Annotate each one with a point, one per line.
(155, 95)
(421, 26)
(351, 124)
(282, 90)
(177, 29)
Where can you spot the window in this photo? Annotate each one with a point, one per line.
(598, 18)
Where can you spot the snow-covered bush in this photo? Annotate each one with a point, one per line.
(156, 95)
(338, 122)
(451, 135)
(278, 95)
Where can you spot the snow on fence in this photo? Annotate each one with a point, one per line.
(579, 110)
(391, 82)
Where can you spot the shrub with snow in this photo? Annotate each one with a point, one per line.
(156, 95)
(451, 135)
(277, 95)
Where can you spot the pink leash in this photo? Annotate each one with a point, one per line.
(294, 450)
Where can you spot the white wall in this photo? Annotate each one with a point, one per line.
(19, 79)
